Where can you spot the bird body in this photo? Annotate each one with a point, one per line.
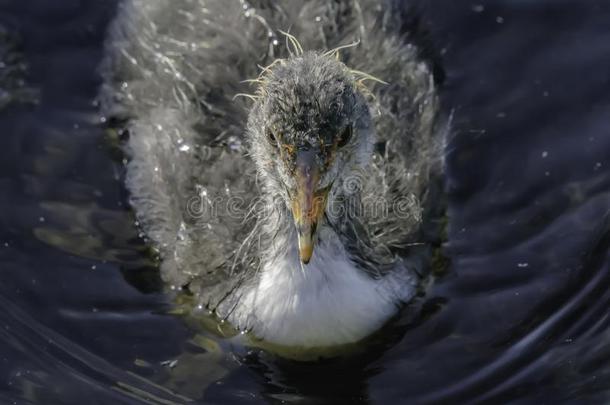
(330, 302)
(295, 211)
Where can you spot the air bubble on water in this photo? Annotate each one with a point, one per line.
(544, 154)
(103, 120)
(124, 85)
(41, 219)
(93, 267)
(523, 265)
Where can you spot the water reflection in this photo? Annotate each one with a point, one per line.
(522, 315)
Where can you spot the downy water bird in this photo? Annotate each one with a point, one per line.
(280, 157)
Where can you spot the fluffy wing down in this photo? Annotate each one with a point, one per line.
(172, 73)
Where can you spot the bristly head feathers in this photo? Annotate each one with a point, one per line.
(308, 101)
(295, 50)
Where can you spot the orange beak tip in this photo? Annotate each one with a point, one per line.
(305, 253)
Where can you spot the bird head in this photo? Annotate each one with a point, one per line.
(309, 129)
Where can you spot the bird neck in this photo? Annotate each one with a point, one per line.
(327, 302)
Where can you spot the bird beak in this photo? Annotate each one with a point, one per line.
(308, 203)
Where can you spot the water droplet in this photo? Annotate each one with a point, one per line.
(103, 120)
(41, 219)
(184, 148)
(234, 143)
(598, 165)
(478, 8)
(124, 85)
(544, 154)
(6, 244)
(181, 232)
(156, 169)
(93, 267)
(499, 20)
(547, 174)
(523, 265)
(247, 13)
(501, 114)
(275, 42)
(318, 18)
(159, 127)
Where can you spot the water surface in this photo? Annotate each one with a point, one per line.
(521, 314)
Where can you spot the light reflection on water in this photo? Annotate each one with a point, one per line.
(522, 314)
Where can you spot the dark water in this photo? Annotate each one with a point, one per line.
(522, 315)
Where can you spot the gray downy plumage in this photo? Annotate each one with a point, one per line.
(175, 70)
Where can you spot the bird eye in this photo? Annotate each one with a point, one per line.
(345, 136)
(271, 138)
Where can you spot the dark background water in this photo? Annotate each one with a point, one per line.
(522, 314)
